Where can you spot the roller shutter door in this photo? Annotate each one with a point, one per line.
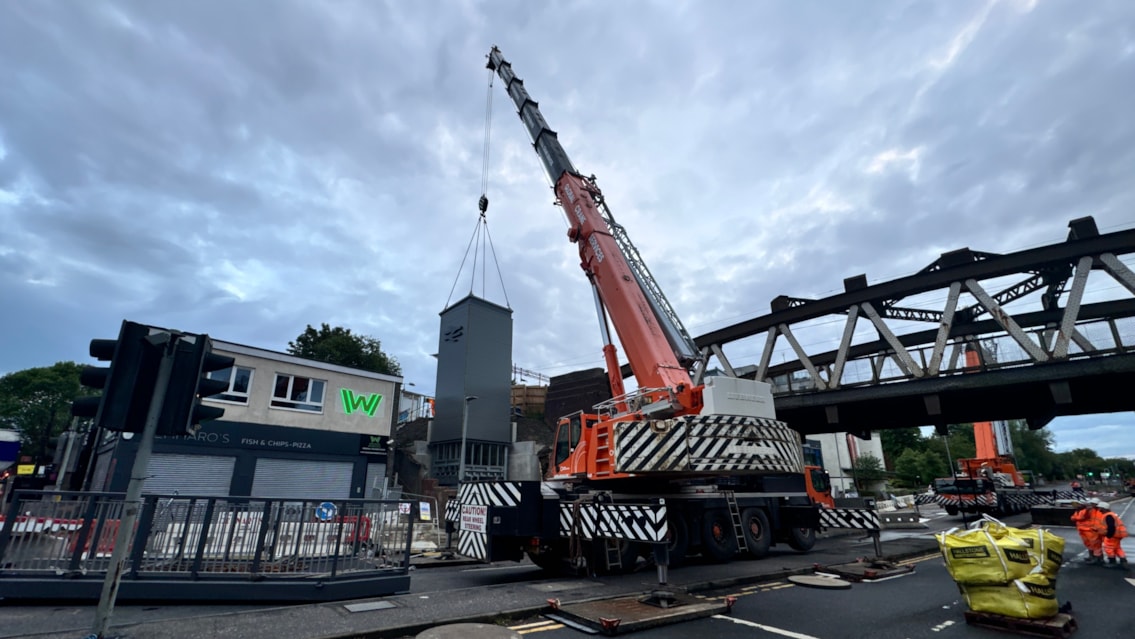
(302, 479)
(203, 475)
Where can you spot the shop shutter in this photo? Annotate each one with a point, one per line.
(199, 475)
(302, 479)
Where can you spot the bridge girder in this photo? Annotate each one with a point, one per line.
(813, 393)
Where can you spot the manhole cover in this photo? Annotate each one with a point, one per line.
(816, 581)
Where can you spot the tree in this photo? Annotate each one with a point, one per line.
(896, 441)
(908, 467)
(867, 469)
(37, 402)
(917, 469)
(1032, 449)
(340, 346)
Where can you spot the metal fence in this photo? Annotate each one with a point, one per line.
(70, 535)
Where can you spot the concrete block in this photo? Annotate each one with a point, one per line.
(901, 520)
(1052, 515)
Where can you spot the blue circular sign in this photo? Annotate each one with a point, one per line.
(325, 511)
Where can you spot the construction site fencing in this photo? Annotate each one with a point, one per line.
(71, 534)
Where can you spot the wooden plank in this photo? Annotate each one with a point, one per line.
(1059, 627)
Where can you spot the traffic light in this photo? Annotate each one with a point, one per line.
(127, 384)
(182, 410)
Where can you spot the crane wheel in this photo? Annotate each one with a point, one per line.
(678, 537)
(802, 539)
(718, 542)
(758, 536)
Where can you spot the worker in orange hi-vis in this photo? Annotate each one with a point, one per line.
(1089, 524)
(1113, 534)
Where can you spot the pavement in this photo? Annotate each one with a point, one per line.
(407, 615)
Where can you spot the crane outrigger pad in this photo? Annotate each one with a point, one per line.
(634, 612)
(718, 444)
(865, 570)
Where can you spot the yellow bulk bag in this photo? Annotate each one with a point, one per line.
(985, 556)
(1046, 547)
(1030, 597)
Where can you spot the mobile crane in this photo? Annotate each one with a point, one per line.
(686, 461)
(989, 482)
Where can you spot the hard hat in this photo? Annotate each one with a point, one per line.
(1103, 505)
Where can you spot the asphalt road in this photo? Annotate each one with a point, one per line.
(922, 604)
(910, 606)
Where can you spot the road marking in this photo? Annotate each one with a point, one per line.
(534, 624)
(916, 560)
(542, 629)
(761, 626)
(942, 626)
(494, 568)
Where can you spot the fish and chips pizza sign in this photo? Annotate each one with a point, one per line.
(474, 518)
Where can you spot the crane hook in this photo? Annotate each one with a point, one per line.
(483, 204)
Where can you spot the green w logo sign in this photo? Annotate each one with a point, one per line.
(365, 403)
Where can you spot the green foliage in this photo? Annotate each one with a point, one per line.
(1033, 448)
(866, 469)
(340, 346)
(37, 402)
(1080, 461)
(896, 441)
(916, 469)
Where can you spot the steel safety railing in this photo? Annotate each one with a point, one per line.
(66, 533)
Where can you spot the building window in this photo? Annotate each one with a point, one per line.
(298, 393)
(239, 379)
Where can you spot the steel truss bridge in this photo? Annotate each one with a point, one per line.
(1069, 354)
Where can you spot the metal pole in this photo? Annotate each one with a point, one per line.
(464, 434)
(61, 470)
(125, 534)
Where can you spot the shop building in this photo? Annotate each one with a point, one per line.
(293, 428)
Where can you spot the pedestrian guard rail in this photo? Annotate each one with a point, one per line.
(69, 534)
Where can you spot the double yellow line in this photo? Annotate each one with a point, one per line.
(536, 626)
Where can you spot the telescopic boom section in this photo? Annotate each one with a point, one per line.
(653, 359)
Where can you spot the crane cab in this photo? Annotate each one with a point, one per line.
(569, 455)
(819, 486)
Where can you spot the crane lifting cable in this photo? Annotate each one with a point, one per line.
(481, 242)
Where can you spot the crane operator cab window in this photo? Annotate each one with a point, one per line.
(568, 436)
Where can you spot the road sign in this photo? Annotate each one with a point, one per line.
(325, 511)
(473, 518)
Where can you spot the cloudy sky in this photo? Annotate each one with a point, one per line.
(245, 169)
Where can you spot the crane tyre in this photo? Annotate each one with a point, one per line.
(758, 535)
(551, 561)
(677, 539)
(802, 539)
(718, 542)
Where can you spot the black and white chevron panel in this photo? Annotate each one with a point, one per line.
(707, 443)
(489, 493)
(452, 510)
(633, 522)
(859, 518)
(473, 544)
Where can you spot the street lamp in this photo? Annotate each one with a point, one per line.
(464, 434)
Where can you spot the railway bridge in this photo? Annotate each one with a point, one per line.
(1053, 329)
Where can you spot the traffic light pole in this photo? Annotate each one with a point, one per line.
(125, 534)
